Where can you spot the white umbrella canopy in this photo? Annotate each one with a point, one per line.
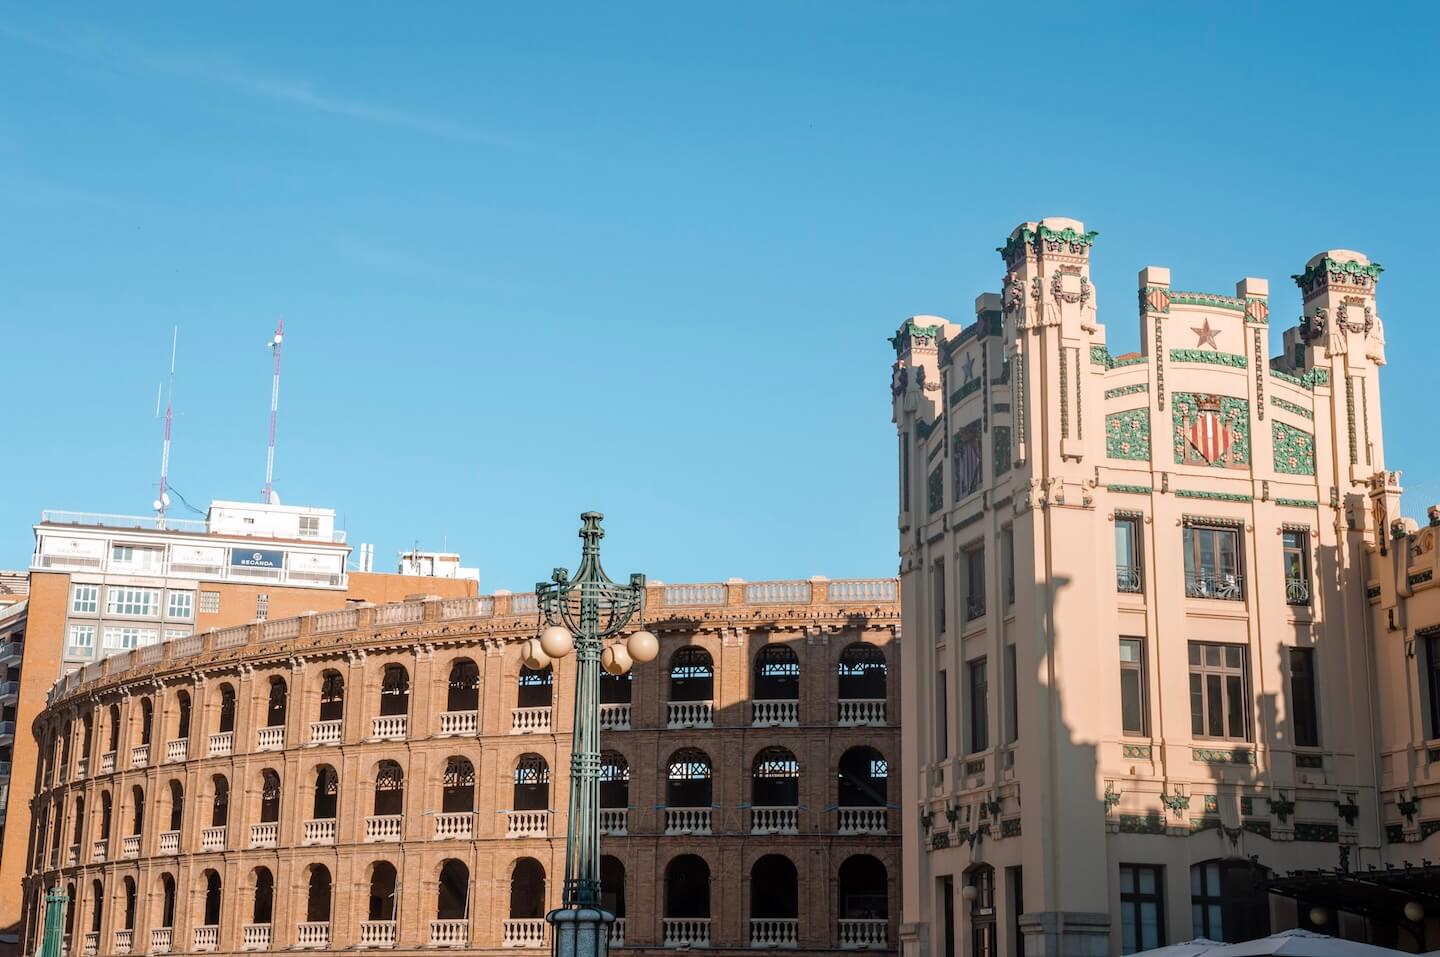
(1301, 943)
(1187, 948)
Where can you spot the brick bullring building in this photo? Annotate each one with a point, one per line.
(392, 776)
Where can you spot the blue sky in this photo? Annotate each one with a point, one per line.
(639, 258)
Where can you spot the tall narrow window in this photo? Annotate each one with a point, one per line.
(1012, 697)
(904, 471)
(1142, 907)
(979, 707)
(1128, 577)
(937, 590)
(1212, 563)
(1302, 697)
(1297, 567)
(974, 583)
(1432, 672)
(1132, 686)
(1007, 558)
(942, 717)
(1219, 702)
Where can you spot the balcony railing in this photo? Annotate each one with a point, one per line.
(617, 932)
(614, 821)
(264, 834)
(450, 933)
(256, 937)
(213, 838)
(615, 717)
(325, 732)
(72, 855)
(459, 722)
(774, 714)
(140, 756)
(1127, 579)
(1222, 587)
(91, 946)
(130, 845)
(389, 727)
(1297, 591)
(377, 933)
(454, 826)
(862, 820)
(161, 939)
(222, 743)
(169, 842)
(206, 938)
(384, 827)
(774, 820)
(527, 823)
(54, 858)
(313, 935)
(124, 941)
(530, 720)
(107, 762)
(862, 934)
(774, 932)
(690, 714)
(270, 739)
(82, 765)
(99, 850)
(526, 932)
(687, 820)
(319, 831)
(862, 711)
(974, 607)
(687, 931)
(177, 750)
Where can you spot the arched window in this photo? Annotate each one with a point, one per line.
(129, 903)
(137, 810)
(167, 900)
(527, 889)
(227, 708)
(612, 885)
(177, 804)
(687, 887)
(862, 672)
(317, 895)
(147, 716)
(64, 764)
(777, 674)
(864, 889)
(113, 743)
(688, 782)
(276, 704)
(382, 891)
(774, 894)
(78, 827)
(389, 789)
(106, 810)
(395, 691)
(775, 779)
(453, 900)
(220, 810)
(182, 715)
(616, 689)
(87, 733)
(614, 781)
(269, 796)
(70, 911)
(863, 775)
(212, 899)
(1228, 900)
(982, 910)
(692, 675)
(532, 783)
(463, 690)
(97, 905)
(263, 908)
(458, 787)
(327, 793)
(536, 688)
(332, 696)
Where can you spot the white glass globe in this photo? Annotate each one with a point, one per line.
(556, 641)
(643, 646)
(533, 655)
(615, 659)
(1414, 910)
(1319, 916)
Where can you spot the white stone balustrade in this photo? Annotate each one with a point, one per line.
(774, 932)
(858, 934)
(130, 845)
(377, 933)
(687, 932)
(140, 756)
(454, 826)
(107, 762)
(177, 750)
(124, 941)
(99, 851)
(524, 932)
(774, 714)
(454, 932)
(313, 934)
(256, 937)
(389, 727)
(528, 823)
(161, 939)
(91, 947)
(72, 855)
(690, 714)
(213, 838)
(861, 820)
(222, 743)
(169, 842)
(862, 711)
(530, 720)
(82, 765)
(774, 820)
(615, 717)
(614, 821)
(459, 722)
(264, 834)
(320, 831)
(617, 932)
(325, 732)
(687, 820)
(384, 827)
(206, 938)
(270, 739)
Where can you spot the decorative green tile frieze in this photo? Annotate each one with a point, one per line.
(1427, 828)
(1395, 833)
(1130, 489)
(966, 389)
(1334, 271)
(1257, 310)
(1222, 755)
(1100, 356)
(1289, 406)
(1214, 496)
(1051, 239)
(1308, 381)
(1179, 298)
(1294, 449)
(1372, 592)
(911, 334)
(1420, 578)
(1124, 361)
(940, 840)
(1127, 390)
(1010, 827)
(1211, 430)
(935, 490)
(1318, 833)
(1198, 824)
(1154, 299)
(1234, 360)
(1257, 827)
(1139, 751)
(1127, 435)
(1210, 804)
(1297, 502)
(1151, 823)
(1000, 449)
(1247, 806)
(923, 428)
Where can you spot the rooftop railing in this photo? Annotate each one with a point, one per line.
(152, 523)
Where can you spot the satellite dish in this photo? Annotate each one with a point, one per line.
(156, 505)
(165, 499)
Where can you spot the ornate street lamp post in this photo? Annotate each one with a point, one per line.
(580, 613)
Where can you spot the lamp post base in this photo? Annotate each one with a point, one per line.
(580, 931)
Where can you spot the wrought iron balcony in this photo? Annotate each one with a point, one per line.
(1297, 591)
(1225, 587)
(1127, 579)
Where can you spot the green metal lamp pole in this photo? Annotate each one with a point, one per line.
(53, 943)
(581, 612)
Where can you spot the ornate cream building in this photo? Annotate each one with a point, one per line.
(391, 776)
(1149, 669)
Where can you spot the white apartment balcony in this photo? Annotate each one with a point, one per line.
(377, 933)
(384, 827)
(124, 941)
(687, 820)
(454, 826)
(169, 842)
(130, 845)
(389, 727)
(72, 855)
(256, 937)
(270, 739)
(450, 933)
(774, 820)
(862, 820)
(530, 720)
(320, 831)
(206, 938)
(862, 711)
(864, 934)
(770, 932)
(177, 750)
(213, 838)
(82, 765)
(617, 932)
(615, 717)
(687, 931)
(222, 743)
(459, 722)
(313, 935)
(614, 821)
(107, 762)
(264, 834)
(99, 850)
(160, 939)
(528, 932)
(775, 714)
(325, 732)
(140, 756)
(690, 714)
(91, 946)
(528, 823)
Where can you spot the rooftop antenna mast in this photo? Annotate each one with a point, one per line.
(268, 496)
(162, 501)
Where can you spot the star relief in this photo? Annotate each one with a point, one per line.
(969, 367)
(1206, 335)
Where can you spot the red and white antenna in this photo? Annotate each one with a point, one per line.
(268, 496)
(162, 501)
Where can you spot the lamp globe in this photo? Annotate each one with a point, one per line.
(533, 655)
(643, 646)
(556, 641)
(615, 659)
